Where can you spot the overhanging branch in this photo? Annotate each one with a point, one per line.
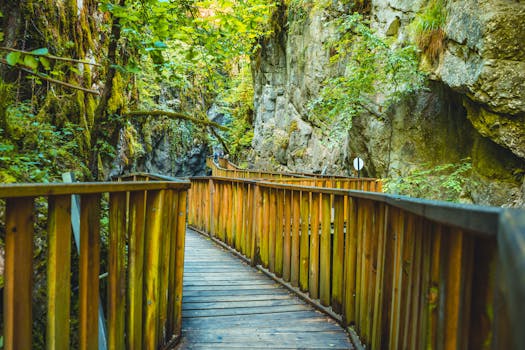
(174, 115)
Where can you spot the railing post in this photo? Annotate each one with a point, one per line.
(58, 272)
(89, 270)
(136, 232)
(18, 274)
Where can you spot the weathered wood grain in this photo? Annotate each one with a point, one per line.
(227, 304)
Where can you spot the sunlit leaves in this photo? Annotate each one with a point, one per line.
(13, 58)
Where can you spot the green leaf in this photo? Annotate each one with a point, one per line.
(13, 57)
(45, 62)
(31, 62)
(40, 52)
(160, 45)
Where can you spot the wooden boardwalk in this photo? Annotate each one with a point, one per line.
(229, 305)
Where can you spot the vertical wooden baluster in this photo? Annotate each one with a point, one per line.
(398, 226)
(434, 289)
(89, 270)
(305, 241)
(455, 288)
(257, 225)
(180, 240)
(381, 227)
(359, 260)
(117, 273)
(211, 213)
(239, 215)
(173, 207)
(279, 233)
(58, 272)
(338, 254)
(423, 329)
(18, 273)
(313, 281)
(408, 279)
(135, 269)
(366, 269)
(272, 226)
(287, 246)
(165, 263)
(265, 226)
(229, 213)
(416, 312)
(324, 276)
(350, 263)
(296, 217)
(154, 209)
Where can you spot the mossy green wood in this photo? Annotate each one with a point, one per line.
(18, 273)
(58, 272)
(136, 233)
(89, 270)
(117, 272)
(305, 241)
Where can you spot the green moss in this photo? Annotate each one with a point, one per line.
(117, 100)
(427, 29)
(494, 162)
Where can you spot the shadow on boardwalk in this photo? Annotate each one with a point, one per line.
(229, 305)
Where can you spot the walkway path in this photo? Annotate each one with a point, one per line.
(229, 305)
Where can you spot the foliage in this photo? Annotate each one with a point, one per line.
(32, 150)
(427, 29)
(237, 102)
(442, 182)
(370, 66)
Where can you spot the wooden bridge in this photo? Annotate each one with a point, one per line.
(394, 272)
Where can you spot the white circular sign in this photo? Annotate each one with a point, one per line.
(358, 164)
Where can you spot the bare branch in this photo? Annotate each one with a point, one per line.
(51, 80)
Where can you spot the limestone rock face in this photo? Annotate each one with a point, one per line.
(474, 108)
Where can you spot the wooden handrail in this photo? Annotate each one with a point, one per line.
(227, 169)
(403, 272)
(146, 222)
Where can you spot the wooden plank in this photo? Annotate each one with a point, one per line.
(453, 292)
(304, 241)
(313, 280)
(154, 208)
(257, 226)
(58, 272)
(325, 269)
(18, 273)
(136, 233)
(295, 254)
(117, 272)
(338, 255)
(89, 270)
(232, 315)
(381, 227)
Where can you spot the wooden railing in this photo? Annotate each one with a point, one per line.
(404, 273)
(146, 251)
(224, 168)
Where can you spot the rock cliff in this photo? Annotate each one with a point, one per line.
(474, 107)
